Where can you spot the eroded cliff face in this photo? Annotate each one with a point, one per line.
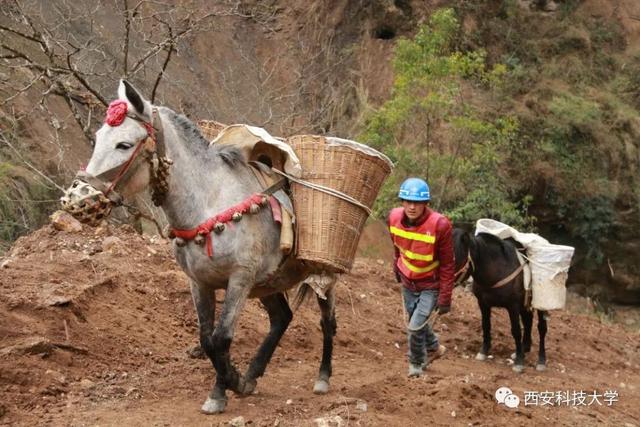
(319, 67)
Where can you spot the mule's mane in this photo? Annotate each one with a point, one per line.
(230, 155)
(487, 245)
(187, 128)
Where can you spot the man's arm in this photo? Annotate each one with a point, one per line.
(447, 263)
(396, 254)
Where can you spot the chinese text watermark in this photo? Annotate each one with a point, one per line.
(505, 396)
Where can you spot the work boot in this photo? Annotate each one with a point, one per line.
(415, 370)
(436, 353)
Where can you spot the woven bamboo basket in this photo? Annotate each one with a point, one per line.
(329, 227)
(210, 128)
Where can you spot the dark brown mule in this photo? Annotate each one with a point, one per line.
(492, 262)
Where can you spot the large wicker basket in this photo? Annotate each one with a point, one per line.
(329, 227)
(210, 128)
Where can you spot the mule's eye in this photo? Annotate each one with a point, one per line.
(123, 146)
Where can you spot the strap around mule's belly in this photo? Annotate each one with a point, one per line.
(510, 277)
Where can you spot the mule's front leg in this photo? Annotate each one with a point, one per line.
(514, 317)
(485, 310)
(204, 300)
(235, 297)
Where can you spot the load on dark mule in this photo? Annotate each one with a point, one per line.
(202, 188)
(498, 281)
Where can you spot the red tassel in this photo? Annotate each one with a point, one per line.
(275, 210)
(210, 246)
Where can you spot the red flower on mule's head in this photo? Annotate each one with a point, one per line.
(116, 113)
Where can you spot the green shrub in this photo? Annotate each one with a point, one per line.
(429, 129)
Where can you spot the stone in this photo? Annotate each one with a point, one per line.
(31, 345)
(102, 229)
(237, 422)
(64, 221)
(335, 420)
(361, 405)
(111, 242)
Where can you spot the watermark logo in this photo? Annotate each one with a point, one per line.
(505, 396)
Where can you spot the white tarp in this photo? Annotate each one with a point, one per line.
(249, 136)
(549, 263)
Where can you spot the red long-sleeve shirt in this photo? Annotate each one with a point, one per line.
(444, 278)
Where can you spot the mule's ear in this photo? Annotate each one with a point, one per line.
(139, 106)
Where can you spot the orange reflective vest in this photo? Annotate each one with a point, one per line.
(415, 244)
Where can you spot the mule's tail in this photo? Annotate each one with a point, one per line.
(302, 294)
(321, 284)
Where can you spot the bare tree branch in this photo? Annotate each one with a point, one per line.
(23, 90)
(82, 81)
(125, 41)
(161, 73)
(19, 33)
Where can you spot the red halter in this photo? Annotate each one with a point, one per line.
(116, 113)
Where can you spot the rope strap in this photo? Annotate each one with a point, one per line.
(461, 274)
(430, 320)
(326, 190)
(509, 277)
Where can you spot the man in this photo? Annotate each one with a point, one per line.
(424, 264)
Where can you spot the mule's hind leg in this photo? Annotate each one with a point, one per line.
(279, 317)
(329, 326)
(485, 310)
(527, 322)
(542, 331)
(514, 317)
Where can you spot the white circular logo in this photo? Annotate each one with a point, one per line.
(512, 401)
(502, 393)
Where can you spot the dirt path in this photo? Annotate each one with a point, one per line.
(95, 330)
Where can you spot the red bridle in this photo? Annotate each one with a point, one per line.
(125, 167)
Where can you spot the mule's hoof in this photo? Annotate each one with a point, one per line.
(415, 371)
(518, 368)
(213, 406)
(481, 356)
(321, 387)
(196, 352)
(541, 367)
(513, 356)
(247, 387)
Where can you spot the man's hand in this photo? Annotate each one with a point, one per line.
(396, 271)
(443, 309)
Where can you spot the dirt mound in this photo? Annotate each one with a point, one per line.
(97, 328)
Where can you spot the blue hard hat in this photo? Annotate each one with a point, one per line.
(414, 190)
